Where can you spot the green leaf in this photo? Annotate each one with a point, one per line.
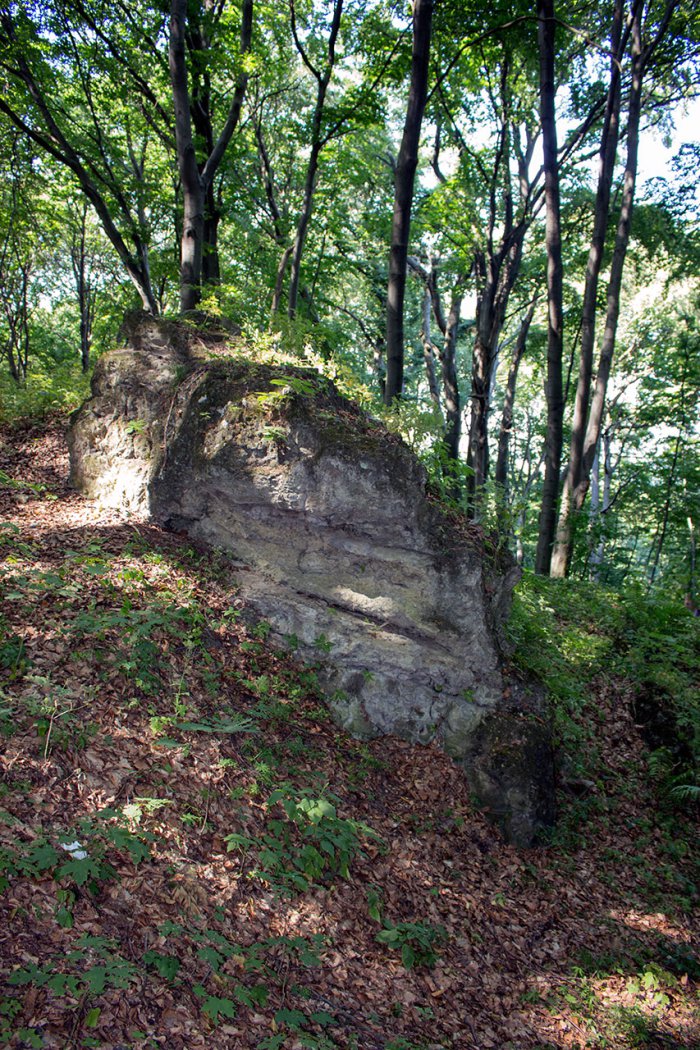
(30, 1036)
(294, 1019)
(79, 870)
(92, 1017)
(322, 1018)
(64, 918)
(43, 856)
(256, 996)
(166, 966)
(214, 1007)
(211, 956)
(96, 978)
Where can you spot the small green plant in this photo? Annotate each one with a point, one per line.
(418, 942)
(276, 435)
(305, 840)
(375, 903)
(24, 486)
(298, 1023)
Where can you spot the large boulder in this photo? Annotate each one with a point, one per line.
(335, 541)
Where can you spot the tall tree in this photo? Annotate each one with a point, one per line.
(555, 296)
(322, 76)
(606, 165)
(85, 290)
(404, 180)
(588, 420)
(61, 85)
(506, 427)
(196, 175)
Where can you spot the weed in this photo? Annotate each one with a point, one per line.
(418, 942)
(305, 840)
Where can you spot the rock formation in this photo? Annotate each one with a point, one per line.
(334, 540)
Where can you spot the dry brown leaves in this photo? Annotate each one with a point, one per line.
(546, 948)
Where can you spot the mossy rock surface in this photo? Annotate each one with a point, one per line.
(334, 539)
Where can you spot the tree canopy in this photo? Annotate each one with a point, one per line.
(246, 158)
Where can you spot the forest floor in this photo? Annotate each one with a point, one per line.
(192, 854)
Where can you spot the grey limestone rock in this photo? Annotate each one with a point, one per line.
(334, 540)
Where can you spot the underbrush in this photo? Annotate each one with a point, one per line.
(61, 387)
(571, 633)
(192, 854)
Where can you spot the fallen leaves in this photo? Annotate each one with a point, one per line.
(544, 947)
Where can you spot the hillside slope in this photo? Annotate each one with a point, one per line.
(192, 855)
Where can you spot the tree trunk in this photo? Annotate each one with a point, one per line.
(555, 328)
(501, 475)
(450, 381)
(449, 327)
(317, 144)
(429, 349)
(403, 197)
(211, 266)
(600, 502)
(191, 244)
(616, 270)
(303, 227)
(563, 547)
(196, 184)
(85, 292)
(478, 455)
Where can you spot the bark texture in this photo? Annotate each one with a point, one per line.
(200, 213)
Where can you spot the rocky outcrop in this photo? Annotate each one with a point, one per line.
(334, 540)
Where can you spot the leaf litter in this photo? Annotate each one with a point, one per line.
(193, 855)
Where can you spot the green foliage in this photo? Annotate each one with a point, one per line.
(418, 942)
(93, 965)
(49, 387)
(566, 632)
(660, 652)
(305, 840)
(77, 857)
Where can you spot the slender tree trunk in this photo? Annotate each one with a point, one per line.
(191, 245)
(403, 197)
(449, 327)
(692, 560)
(478, 455)
(196, 184)
(211, 266)
(428, 348)
(616, 270)
(641, 56)
(498, 271)
(600, 506)
(303, 226)
(317, 143)
(563, 547)
(667, 507)
(279, 280)
(506, 428)
(84, 291)
(450, 381)
(555, 329)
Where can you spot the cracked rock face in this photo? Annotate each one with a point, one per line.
(334, 541)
